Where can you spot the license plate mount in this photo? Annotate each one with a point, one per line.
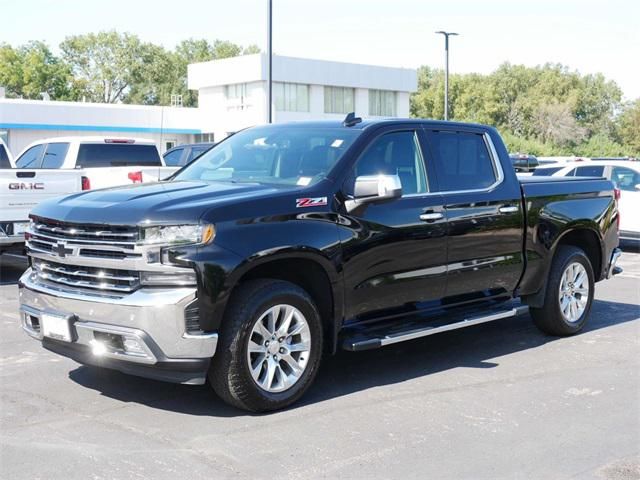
(57, 327)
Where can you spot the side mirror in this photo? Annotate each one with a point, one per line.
(375, 188)
(638, 186)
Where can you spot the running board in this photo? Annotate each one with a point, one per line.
(397, 337)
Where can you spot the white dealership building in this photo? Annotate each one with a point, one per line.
(232, 95)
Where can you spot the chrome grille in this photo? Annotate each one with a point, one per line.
(91, 278)
(62, 239)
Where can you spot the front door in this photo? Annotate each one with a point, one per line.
(394, 251)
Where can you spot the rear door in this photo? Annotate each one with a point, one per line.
(484, 215)
(628, 181)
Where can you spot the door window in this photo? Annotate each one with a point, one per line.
(31, 158)
(625, 178)
(396, 153)
(172, 159)
(462, 161)
(196, 152)
(54, 155)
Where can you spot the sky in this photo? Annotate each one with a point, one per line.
(589, 36)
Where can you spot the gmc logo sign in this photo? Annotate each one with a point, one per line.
(26, 186)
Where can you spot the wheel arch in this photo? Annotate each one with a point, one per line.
(310, 270)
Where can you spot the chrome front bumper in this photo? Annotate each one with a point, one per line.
(150, 321)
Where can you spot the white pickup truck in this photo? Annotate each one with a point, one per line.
(60, 166)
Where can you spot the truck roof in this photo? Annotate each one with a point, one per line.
(369, 122)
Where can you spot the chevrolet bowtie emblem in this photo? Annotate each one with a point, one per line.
(61, 250)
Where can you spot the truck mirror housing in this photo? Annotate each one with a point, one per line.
(375, 188)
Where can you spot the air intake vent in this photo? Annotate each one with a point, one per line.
(192, 318)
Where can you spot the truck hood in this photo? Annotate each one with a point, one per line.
(164, 202)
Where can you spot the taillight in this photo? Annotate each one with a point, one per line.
(616, 193)
(86, 183)
(135, 177)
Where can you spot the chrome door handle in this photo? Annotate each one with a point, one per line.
(508, 209)
(430, 217)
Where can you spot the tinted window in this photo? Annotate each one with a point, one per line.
(462, 161)
(274, 155)
(31, 158)
(589, 171)
(172, 159)
(546, 172)
(519, 162)
(54, 155)
(395, 153)
(117, 155)
(625, 178)
(4, 158)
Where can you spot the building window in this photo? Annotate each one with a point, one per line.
(291, 97)
(339, 100)
(203, 137)
(382, 103)
(236, 96)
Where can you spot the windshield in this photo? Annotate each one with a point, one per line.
(274, 155)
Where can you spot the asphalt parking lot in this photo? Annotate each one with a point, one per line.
(500, 400)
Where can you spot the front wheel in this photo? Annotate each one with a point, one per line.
(269, 347)
(569, 294)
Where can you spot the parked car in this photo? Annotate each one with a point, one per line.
(523, 163)
(183, 154)
(6, 159)
(287, 241)
(625, 175)
(58, 166)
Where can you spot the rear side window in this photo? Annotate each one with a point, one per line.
(462, 161)
(91, 155)
(589, 171)
(31, 158)
(172, 159)
(546, 172)
(54, 155)
(4, 158)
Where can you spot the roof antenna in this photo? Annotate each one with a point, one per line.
(351, 120)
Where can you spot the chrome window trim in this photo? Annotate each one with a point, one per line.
(497, 168)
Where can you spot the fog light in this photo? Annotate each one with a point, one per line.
(98, 348)
(131, 345)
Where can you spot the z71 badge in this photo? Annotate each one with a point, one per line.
(311, 202)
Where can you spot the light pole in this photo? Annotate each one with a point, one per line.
(269, 61)
(446, 70)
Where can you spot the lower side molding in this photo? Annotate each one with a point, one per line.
(379, 339)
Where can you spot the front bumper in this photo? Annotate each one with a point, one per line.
(143, 333)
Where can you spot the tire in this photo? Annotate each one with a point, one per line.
(230, 373)
(550, 317)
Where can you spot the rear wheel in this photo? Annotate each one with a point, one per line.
(269, 347)
(569, 294)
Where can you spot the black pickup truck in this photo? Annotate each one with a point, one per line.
(286, 242)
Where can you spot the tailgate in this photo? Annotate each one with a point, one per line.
(21, 190)
(117, 176)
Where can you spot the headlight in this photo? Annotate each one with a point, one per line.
(178, 234)
(186, 277)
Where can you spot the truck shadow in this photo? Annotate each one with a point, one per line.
(347, 373)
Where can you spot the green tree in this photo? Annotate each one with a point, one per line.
(106, 64)
(31, 70)
(629, 128)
